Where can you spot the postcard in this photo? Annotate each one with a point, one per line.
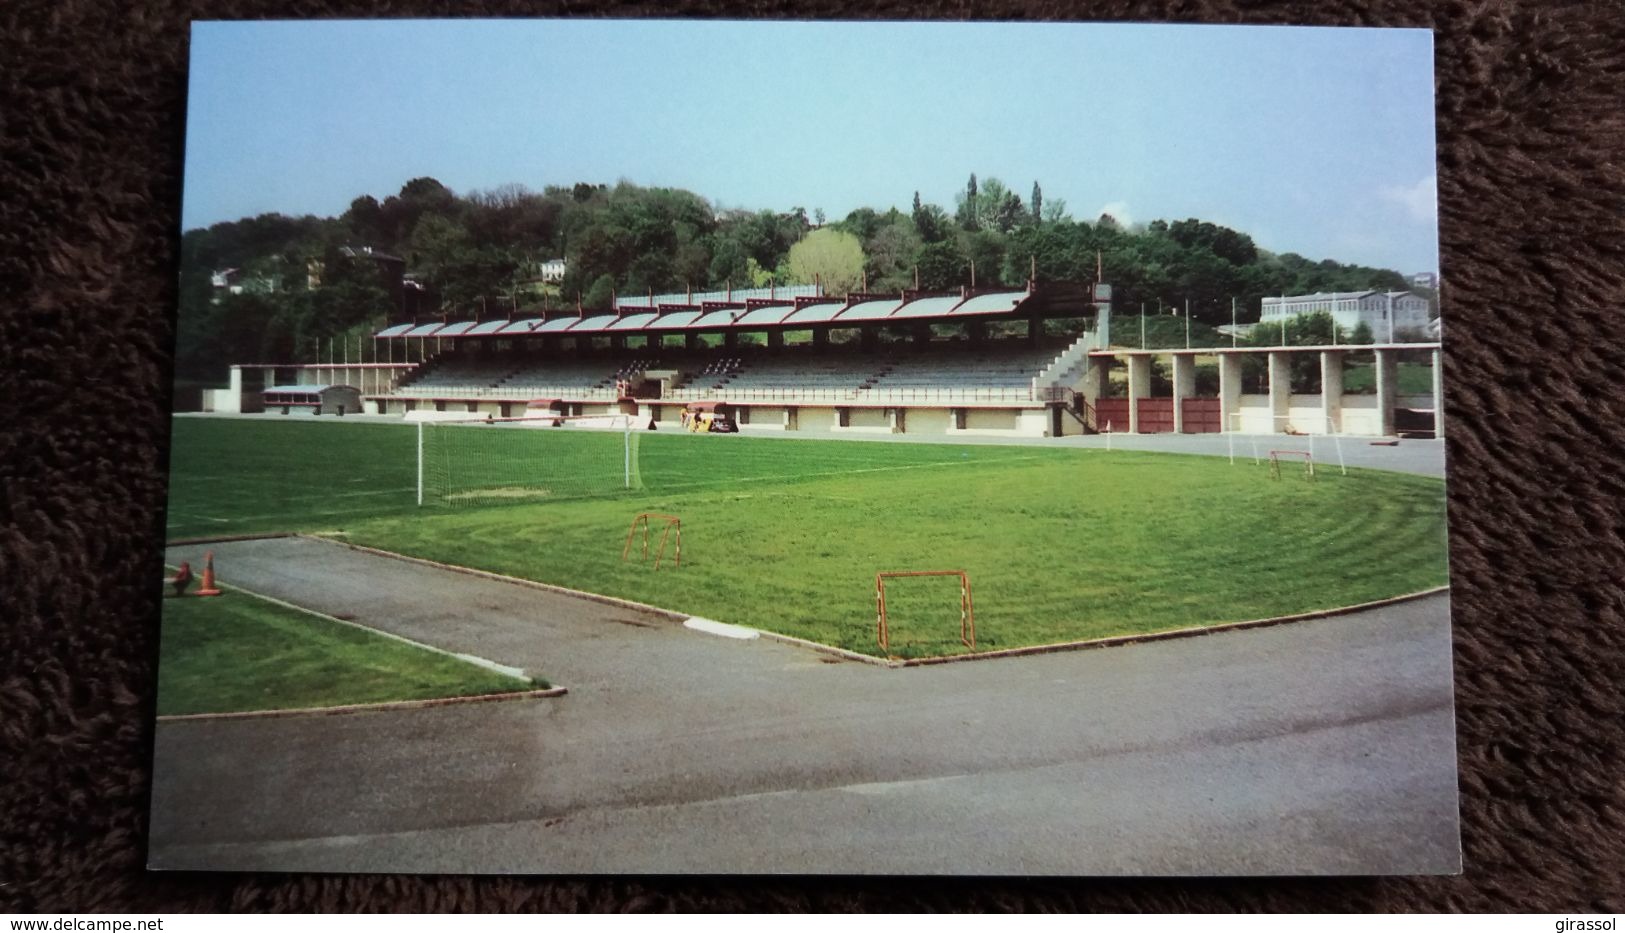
(798, 447)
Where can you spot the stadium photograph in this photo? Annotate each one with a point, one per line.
(587, 461)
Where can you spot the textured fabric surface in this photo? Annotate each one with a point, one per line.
(1532, 188)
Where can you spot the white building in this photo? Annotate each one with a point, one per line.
(1383, 312)
(551, 271)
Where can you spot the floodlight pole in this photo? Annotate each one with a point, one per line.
(420, 463)
(1187, 323)
(1232, 321)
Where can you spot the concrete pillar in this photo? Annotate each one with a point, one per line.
(1280, 389)
(775, 339)
(691, 341)
(1438, 394)
(234, 400)
(1331, 391)
(730, 340)
(1184, 386)
(617, 341)
(922, 334)
(868, 337)
(820, 337)
(1095, 379)
(1035, 331)
(1103, 326)
(1229, 390)
(1387, 389)
(977, 332)
(1139, 386)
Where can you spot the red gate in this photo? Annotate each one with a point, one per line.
(1112, 411)
(1202, 416)
(1157, 415)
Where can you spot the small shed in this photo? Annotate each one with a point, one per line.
(312, 400)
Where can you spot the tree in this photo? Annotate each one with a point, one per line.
(833, 257)
(601, 295)
(969, 204)
(943, 265)
(1037, 204)
(1009, 212)
(891, 254)
(1362, 334)
(986, 249)
(932, 223)
(365, 219)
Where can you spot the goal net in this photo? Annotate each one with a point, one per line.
(526, 459)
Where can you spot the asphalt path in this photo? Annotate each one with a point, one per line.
(1322, 747)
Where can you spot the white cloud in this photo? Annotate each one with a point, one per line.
(1419, 201)
(1119, 212)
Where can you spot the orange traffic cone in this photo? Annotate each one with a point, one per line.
(208, 588)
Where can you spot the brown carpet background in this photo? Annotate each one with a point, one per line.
(1531, 104)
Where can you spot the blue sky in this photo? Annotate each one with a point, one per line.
(1316, 141)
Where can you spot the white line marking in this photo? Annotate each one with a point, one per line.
(721, 628)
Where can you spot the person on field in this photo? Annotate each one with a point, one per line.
(182, 578)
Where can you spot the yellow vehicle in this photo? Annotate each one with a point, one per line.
(709, 418)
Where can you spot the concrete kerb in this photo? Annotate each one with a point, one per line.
(504, 578)
(369, 707)
(1170, 634)
(222, 539)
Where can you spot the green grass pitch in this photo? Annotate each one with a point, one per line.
(787, 534)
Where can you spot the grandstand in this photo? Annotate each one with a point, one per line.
(914, 350)
(967, 362)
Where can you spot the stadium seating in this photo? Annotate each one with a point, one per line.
(900, 373)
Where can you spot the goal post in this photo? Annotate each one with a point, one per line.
(537, 458)
(1285, 425)
(967, 611)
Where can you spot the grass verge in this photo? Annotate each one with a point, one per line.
(235, 653)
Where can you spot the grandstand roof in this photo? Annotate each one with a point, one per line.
(753, 309)
(674, 319)
(870, 310)
(555, 325)
(595, 324)
(991, 303)
(816, 314)
(634, 321)
(715, 318)
(771, 314)
(928, 307)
